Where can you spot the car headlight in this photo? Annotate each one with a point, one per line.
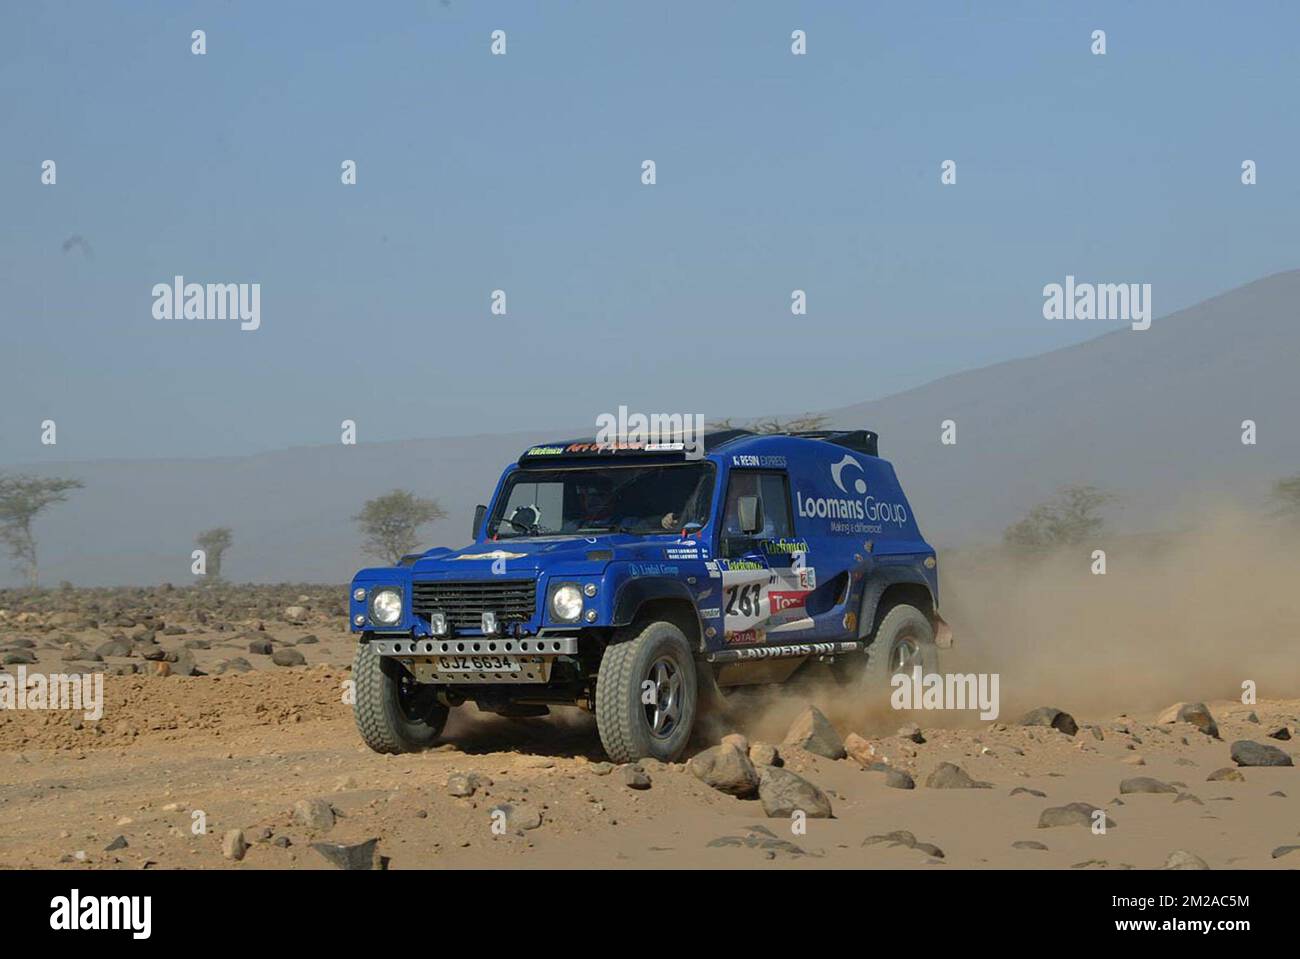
(566, 603)
(386, 606)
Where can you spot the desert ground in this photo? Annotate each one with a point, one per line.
(225, 742)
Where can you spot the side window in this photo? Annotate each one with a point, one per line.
(771, 489)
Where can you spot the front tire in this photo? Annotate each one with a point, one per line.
(394, 713)
(630, 727)
(904, 640)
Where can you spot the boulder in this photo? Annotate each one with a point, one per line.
(813, 732)
(1195, 713)
(726, 769)
(783, 793)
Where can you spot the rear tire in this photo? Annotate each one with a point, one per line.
(394, 713)
(631, 729)
(904, 640)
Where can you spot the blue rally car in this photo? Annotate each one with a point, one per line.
(640, 581)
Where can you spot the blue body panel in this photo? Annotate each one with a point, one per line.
(852, 525)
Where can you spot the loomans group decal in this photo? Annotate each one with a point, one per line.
(860, 513)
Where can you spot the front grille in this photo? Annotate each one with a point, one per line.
(514, 601)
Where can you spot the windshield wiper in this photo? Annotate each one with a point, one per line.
(611, 528)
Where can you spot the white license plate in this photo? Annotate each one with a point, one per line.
(478, 664)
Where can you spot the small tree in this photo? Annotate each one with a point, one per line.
(1286, 492)
(1068, 517)
(214, 543)
(772, 424)
(389, 523)
(22, 498)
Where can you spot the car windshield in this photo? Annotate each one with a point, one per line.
(628, 499)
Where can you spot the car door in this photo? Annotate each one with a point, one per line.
(763, 574)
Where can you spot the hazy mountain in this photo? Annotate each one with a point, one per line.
(1154, 415)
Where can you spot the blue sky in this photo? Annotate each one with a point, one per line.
(522, 172)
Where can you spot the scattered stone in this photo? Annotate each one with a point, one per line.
(19, 657)
(362, 856)
(1026, 791)
(1281, 732)
(233, 845)
(1145, 784)
(516, 818)
(1028, 844)
(602, 769)
(462, 785)
(1134, 760)
(1073, 814)
(114, 647)
(782, 792)
(897, 779)
(1281, 851)
(118, 843)
(952, 776)
(281, 841)
(901, 837)
(737, 740)
(288, 657)
(862, 751)
(911, 731)
(1182, 859)
(315, 814)
(261, 647)
(308, 640)
(1188, 797)
(1248, 753)
(1195, 713)
(764, 754)
(1050, 716)
(1227, 774)
(295, 614)
(813, 732)
(634, 777)
(727, 770)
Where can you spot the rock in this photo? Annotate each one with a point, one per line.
(782, 793)
(737, 740)
(183, 663)
(197, 644)
(515, 818)
(1227, 775)
(315, 814)
(813, 732)
(898, 779)
(362, 856)
(951, 776)
(1028, 844)
(764, 754)
(282, 841)
(1281, 851)
(118, 843)
(1097, 733)
(237, 665)
(1281, 732)
(114, 647)
(462, 785)
(1145, 784)
(1073, 814)
(288, 657)
(634, 777)
(261, 647)
(1134, 760)
(726, 769)
(19, 657)
(911, 731)
(1050, 716)
(1188, 797)
(901, 837)
(1195, 713)
(233, 845)
(1026, 791)
(602, 769)
(295, 614)
(861, 750)
(1248, 753)
(308, 640)
(1182, 859)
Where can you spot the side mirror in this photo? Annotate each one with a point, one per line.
(749, 510)
(480, 511)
